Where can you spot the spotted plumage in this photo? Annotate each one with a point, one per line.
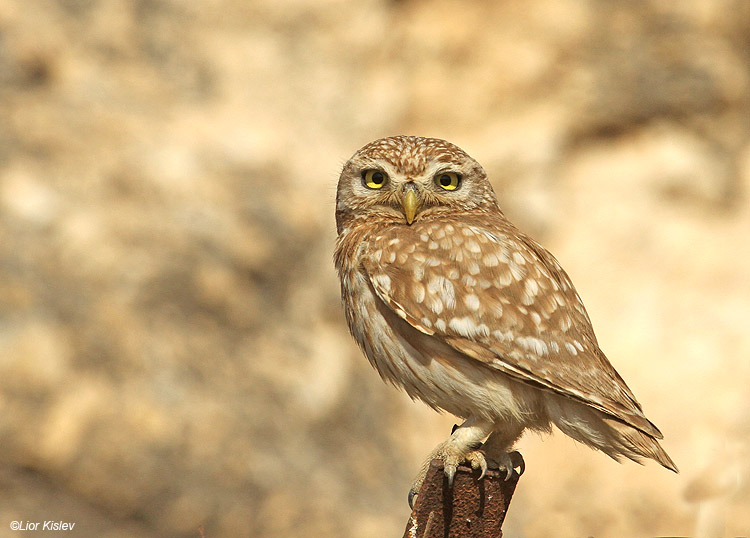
(451, 302)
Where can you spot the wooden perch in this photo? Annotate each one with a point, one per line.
(473, 508)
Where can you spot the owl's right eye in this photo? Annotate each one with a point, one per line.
(374, 179)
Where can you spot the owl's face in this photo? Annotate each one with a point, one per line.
(406, 179)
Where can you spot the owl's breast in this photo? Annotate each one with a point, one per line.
(373, 328)
(419, 361)
(423, 365)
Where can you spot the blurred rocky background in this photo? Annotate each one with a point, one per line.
(172, 349)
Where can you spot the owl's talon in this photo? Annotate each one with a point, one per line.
(517, 461)
(477, 461)
(507, 461)
(412, 497)
(450, 473)
(483, 466)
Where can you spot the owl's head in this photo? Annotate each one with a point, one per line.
(409, 178)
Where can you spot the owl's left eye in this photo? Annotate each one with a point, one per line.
(449, 181)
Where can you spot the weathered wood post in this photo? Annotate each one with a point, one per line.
(473, 508)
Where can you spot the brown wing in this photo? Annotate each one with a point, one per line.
(498, 297)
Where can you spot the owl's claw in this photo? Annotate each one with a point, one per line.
(478, 463)
(450, 474)
(517, 461)
(475, 458)
(508, 461)
(412, 496)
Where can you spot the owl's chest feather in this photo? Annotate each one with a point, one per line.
(423, 365)
(386, 340)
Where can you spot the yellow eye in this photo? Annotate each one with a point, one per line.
(374, 179)
(449, 181)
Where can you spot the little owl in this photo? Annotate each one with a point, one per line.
(451, 302)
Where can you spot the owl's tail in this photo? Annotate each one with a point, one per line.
(636, 445)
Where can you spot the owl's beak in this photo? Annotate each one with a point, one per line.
(410, 203)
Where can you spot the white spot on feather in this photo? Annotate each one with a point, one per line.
(517, 271)
(418, 292)
(464, 326)
(531, 287)
(505, 278)
(535, 345)
(382, 281)
(472, 302)
(443, 287)
(571, 348)
(490, 260)
(527, 299)
(473, 246)
(435, 304)
(503, 336)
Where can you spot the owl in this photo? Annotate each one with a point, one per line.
(452, 303)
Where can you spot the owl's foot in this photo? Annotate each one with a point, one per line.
(462, 446)
(498, 450)
(508, 462)
(452, 457)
